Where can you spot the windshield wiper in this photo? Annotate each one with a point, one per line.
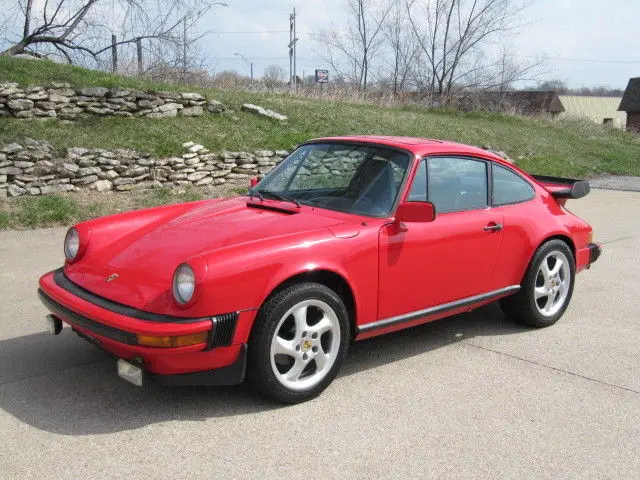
(277, 196)
(255, 193)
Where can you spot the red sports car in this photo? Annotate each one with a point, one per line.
(347, 238)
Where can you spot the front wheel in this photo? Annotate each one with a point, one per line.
(547, 287)
(298, 343)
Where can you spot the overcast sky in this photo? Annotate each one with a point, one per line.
(587, 42)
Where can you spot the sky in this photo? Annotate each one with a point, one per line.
(585, 42)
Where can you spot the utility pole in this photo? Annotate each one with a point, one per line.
(114, 52)
(293, 81)
(248, 62)
(184, 44)
(139, 52)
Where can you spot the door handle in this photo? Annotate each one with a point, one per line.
(493, 227)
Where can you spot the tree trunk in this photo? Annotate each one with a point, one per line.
(16, 49)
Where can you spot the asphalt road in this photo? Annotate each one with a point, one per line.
(473, 396)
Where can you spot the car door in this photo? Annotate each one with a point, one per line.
(451, 258)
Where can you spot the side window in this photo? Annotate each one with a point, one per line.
(509, 187)
(457, 184)
(418, 192)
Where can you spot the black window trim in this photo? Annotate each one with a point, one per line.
(401, 188)
(509, 169)
(489, 178)
(489, 163)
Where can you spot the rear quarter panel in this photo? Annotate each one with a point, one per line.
(528, 225)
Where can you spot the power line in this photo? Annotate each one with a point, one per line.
(259, 32)
(587, 60)
(251, 32)
(311, 59)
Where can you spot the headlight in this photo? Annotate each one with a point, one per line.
(184, 284)
(71, 244)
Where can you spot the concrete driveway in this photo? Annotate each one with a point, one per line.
(473, 396)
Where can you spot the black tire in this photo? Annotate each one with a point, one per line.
(522, 306)
(259, 370)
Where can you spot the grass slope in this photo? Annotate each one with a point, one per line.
(566, 148)
(70, 208)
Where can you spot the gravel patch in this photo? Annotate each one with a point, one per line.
(616, 182)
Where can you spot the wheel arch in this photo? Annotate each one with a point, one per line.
(330, 279)
(557, 236)
(563, 237)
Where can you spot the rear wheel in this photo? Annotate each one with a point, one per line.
(547, 287)
(298, 343)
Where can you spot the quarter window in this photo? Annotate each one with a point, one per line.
(509, 187)
(418, 192)
(455, 184)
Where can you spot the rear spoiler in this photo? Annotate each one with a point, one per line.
(563, 188)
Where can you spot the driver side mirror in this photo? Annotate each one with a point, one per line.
(253, 182)
(415, 212)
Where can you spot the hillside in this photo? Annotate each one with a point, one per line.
(542, 146)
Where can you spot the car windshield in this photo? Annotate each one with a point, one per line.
(349, 178)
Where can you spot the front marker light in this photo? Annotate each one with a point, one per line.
(172, 342)
(184, 284)
(71, 244)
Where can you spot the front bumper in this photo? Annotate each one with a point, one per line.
(97, 320)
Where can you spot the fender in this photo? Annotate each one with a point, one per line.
(270, 263)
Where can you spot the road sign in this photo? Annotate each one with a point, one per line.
(322, 76)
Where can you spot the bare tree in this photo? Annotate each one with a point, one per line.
(402, 46)
(351, 51)
(455, 38)
(75, 29)
(274, 76)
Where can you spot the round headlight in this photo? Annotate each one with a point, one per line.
(184, 284)
(71, 244)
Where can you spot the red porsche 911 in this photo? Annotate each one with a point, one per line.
(347, 238)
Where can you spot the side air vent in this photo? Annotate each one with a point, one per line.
(224, 326)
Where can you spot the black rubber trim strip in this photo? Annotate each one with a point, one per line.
(274, 208)
(229, 375)
(63, 282)
(86, 323)
(594, 252)
(437, 309)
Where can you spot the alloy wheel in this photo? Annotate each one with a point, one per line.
(305, 344)
(552, 285)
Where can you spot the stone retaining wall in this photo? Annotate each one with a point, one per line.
(36, 168)
(59, 100)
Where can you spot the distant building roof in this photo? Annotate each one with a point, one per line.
(534, 101)
(525, 102)
(631, 98)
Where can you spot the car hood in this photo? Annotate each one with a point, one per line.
(146, 257)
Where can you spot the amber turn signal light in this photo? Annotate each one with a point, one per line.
(172, 342)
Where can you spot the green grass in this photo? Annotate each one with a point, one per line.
(5, 220)
(30, 212)
(541, 146)
(47, 210)
(67, 209)
(164, 196)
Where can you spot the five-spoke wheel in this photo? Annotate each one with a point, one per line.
(305, 344)
(552, 283)
(546, 287)
(298, 342)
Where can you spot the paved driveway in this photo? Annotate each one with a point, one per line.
(473, 396)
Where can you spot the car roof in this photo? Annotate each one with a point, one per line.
(418, 146)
